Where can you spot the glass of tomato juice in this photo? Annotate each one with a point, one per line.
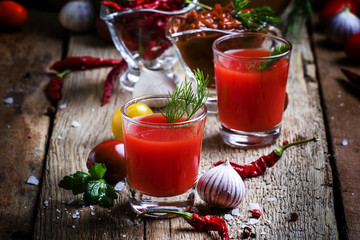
(251, 87)
(162, 158)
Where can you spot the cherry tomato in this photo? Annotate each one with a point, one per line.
(12, 15)
(352, 47)
(134, 110)
(333, 7)
(111, 153)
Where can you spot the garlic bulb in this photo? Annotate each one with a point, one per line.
(152, 82)
(78, 16)
(221, 186)
(342, 25)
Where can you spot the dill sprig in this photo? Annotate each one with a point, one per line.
(278, 50)
(255, 19)
(183, 101)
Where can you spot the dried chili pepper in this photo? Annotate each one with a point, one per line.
(255, 213)
(205, 223)
(258, 167)
(111, 78)
(82, 63)
(54, 86)
(294, 216)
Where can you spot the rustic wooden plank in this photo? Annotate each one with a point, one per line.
(342, 108)
(24, 124)
(301, 182)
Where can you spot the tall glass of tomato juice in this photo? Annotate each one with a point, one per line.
(162, 158)
(251, 87)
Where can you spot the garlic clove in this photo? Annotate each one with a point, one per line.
(221, 187)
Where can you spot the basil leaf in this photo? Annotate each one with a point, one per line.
(75, 182)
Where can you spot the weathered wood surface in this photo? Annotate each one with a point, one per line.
(342, 113)
(24, 57)
(300, 182)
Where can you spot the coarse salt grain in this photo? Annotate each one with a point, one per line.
(272, 199)
(33, 180)
(46, 203)
(119, 186)
(8, 100)
(344, 142)
(252, 221)
(73, 226)
(63, 106)
(75, 124)
(235, 212)
(253, 206)
(228, 217)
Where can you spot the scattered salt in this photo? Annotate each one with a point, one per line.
(75, 124)
(33, 180)
(253, 206)
(235, 212)
(92, 207)
(9, 100)
(58, 210)
(252, 221)
(92, 213)
(93, 110)
(25, 206)
(73, 226)
(124, 235)
(119, 186)
(345, 142)
(70, 202)
(263, 233)
(228, 217)
(60, 137)
(341, 104)
(353, 194)
(272, 199)
(63, 106)
(46, 203)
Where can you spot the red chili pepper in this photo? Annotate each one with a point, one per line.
(294, 216)
(54, 86)
(81, 63)
(111, 78)
(255, 213)
(205, 223)
(259, 166)
(112, 5)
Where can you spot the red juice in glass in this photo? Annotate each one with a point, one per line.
(162, 158)
(251, 97)
(248, 99)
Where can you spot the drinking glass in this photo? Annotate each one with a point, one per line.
(139, 35)
(162, 158)
(251, 87)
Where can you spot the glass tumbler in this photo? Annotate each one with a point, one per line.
(162, 158)
(251, 87)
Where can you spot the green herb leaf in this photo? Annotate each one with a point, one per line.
(96, 190)
(255, 19)
(278, 50)
(183, 101)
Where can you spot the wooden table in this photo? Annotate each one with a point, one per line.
(316, 180)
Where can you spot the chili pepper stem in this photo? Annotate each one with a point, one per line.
(186, 215)
(206, 7)
(279, 151)
(62, 74)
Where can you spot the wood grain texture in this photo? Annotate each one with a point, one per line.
(24, 124)
(342, 110)
(300, 182)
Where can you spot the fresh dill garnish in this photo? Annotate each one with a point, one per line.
(184, 102)
(278, 50)
(255, 19)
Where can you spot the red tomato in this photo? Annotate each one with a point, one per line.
(333, 7)
(12, 15)
(111, 153)
(352, 47)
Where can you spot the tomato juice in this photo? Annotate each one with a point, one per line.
(162, 158)
(250, 100)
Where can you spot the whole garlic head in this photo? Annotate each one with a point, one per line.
(78, 16)
(221, 186)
